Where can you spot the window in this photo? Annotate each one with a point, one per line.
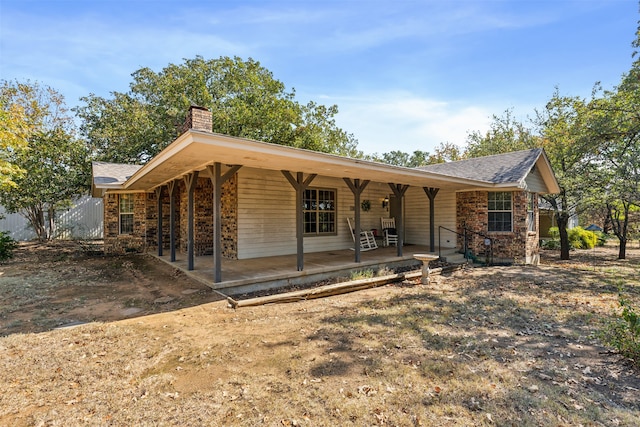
(126, 213)
(500, 211)
(531, 213)
(319, 211)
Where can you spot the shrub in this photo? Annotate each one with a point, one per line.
(554, 233)
(623, 333)
(579, 238)
(552, 244)
(7, 245)
(601, 238)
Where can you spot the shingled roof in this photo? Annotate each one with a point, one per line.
(508, 168)
(110, 176)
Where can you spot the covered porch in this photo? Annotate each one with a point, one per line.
(248, 275)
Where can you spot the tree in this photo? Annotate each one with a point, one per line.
(244, 98)
(400, 158)
(505, 135)
(54, 161)
(446, 152)
(14, 130)
(616, 128)
(561, 126)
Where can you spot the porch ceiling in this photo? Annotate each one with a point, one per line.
(194, 150)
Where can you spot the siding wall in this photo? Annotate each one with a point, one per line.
(84, 220)
(535, 183)
(417, 217)
(266, 214)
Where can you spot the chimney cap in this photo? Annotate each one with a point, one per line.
(197, 107)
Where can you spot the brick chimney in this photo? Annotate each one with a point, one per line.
(198, 118)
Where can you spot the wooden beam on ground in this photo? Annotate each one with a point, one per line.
(322, 291)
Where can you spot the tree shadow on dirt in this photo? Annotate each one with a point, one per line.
(62, 284)
(527, 323)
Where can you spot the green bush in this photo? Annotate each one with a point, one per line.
(602, 238)
(554, 233)
(552, 244)
(623, 333)
(579, 238)
(7, 245)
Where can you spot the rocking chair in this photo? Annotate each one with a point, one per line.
(367, 239)
(389, 231)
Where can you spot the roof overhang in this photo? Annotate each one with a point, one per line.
(195, 150)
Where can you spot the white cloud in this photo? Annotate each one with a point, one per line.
(401, 121)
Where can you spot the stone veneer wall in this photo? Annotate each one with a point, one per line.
(152, 219)
(203, 220)
(116, 243)
(519, 245)
(229, 217)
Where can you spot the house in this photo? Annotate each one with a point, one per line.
(548, 219)
(208, 194)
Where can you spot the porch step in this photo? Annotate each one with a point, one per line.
(452, 256)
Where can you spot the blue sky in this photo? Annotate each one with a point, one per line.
(406, 75)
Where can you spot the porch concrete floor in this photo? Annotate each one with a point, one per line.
(248, 275)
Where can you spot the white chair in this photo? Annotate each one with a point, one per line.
(389, 232)
(367, 239)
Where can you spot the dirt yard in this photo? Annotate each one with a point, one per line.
(507, 346)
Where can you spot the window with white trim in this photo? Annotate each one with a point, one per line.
(500, 211)
(319, 211)
(126, 213)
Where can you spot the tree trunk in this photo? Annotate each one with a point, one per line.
(51, 212)
(563, 220)
(35, 216)
(620, 225)
(622, 252)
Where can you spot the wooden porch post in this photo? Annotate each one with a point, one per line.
(191, 181)
(398, 191)
(159, 223)
(431, 194)
(356, 188)
(172, 187)
(217, 179)
(299, 184)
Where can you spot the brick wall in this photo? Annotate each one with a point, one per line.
(229, 217)
(116, 243)
(203, 219)
(519, 245)
(198, 118)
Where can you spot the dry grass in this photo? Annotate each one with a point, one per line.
(508, 346)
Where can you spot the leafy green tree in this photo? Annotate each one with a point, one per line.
(506, 134)
(14, 129)
(244, 98)
(446, 152)
(54, 161)
(400, 158)
(616, 127)
(562, 129)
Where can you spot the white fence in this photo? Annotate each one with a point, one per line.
(84, 220)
